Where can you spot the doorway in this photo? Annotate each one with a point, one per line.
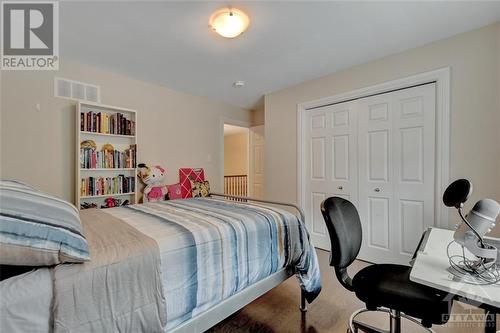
(236, 160)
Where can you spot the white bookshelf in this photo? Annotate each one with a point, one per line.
(120, 142)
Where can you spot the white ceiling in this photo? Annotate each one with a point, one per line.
(170, 43)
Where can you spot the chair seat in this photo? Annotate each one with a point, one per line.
(389, 286)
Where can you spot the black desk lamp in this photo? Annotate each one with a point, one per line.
(478, 222)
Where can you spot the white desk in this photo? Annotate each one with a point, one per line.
(430, 269)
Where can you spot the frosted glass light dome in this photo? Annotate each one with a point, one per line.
(229, 22)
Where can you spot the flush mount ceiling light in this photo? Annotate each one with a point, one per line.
(229, 22)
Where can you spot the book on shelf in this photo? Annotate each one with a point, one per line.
(107, 159)
(101, 122)
(95, 186)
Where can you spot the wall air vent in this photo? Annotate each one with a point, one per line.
(75, 90)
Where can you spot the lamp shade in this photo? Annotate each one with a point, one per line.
(229, 22)
(457, 193)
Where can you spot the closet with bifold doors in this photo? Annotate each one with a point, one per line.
(379, 153)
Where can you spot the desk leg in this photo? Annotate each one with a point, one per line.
(490, 322)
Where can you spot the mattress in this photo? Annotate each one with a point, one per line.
(25, 302)
(209, 250)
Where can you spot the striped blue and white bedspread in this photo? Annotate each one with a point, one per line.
(211, 249)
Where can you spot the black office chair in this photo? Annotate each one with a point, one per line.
(384, 287)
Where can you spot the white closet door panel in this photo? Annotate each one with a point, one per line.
(331, 169)
(318, 158)
(378, 222)
(318, 121)
(316, 170)
(412, 224)
(376, 192)
(343, 145)
(318, 227)
(396, 172)
(411, 157)
(340, 156)
(414, 165)
(378, 155)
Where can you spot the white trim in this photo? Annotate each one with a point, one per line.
(105, 106)
(235, 122)
(442, 78)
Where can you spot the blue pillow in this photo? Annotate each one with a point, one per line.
(37, 229)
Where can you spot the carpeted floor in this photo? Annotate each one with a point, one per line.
(277, 311)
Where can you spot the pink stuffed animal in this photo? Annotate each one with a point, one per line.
(154, 178)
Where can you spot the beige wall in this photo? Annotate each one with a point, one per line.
(174, 129)
(236, 154)
(258, 115)
(475, 109)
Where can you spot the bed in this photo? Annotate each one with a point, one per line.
(171, 266)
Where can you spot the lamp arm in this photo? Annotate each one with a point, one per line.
(470, 227)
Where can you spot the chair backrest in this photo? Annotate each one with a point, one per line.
(344, 227)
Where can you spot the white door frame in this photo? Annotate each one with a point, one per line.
(235, 122)
(251, 164)
(442, 78)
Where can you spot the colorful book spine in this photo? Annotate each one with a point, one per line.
(92, 159)
(101, 122)
(95, 186)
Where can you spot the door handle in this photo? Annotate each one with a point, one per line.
(340, 188)
(377, 189)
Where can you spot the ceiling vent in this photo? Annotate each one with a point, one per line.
(75, 90)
